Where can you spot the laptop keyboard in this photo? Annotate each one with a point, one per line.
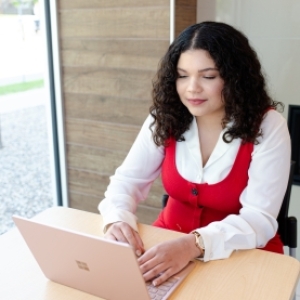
(159, 292)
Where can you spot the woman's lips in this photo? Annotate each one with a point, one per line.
(196, 101)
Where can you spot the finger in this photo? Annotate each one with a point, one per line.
(133, 239)
(153, 272)
(147, 256)
(162, 277)
(118, 234)
(110, 237)
(124, 233)
(152, 264)
(140, 242)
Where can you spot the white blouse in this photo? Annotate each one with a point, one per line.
(256, 222)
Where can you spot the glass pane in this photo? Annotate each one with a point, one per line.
(25, 170)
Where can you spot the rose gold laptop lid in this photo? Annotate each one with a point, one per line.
(95, 265)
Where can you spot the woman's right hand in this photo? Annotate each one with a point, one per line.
(122, 232)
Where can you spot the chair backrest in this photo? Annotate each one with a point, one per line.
(285, 230)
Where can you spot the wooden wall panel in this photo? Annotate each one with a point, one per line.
(185, 14)
(108, 82)
(98, 107)
(80, 4)
(110, 51)
(121, 22)
(100, 134)
(83, 201)
(134, 54)
(87, 202)
(94, 159)
(94, 184)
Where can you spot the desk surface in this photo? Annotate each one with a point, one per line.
(248, 274)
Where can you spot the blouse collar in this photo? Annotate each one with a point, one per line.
(193, 145)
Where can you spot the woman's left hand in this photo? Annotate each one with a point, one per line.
(168, 258)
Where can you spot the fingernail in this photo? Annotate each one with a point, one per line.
(138, 252)
(154, 282)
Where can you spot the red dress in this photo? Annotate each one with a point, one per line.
(192, 205)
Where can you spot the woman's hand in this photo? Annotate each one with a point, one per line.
(168, 258)
(122, 232)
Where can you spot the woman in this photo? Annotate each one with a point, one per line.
(222, 149)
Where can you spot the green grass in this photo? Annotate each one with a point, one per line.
(21, 87)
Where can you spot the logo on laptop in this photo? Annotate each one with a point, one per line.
(82, 265)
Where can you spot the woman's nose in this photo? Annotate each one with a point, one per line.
(194, 86)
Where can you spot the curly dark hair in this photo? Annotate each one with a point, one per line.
(244, 94)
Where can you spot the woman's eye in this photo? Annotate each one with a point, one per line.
(182, 76)
(209, 77)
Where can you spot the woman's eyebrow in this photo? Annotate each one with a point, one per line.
(200, 71)
(208, 69)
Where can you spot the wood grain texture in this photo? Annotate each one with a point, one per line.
(130, 84)
(88, 183)
(84, 202)
(113, 54)
(79, 4)
(106, 109)
(95, 184)
(109, 52)
(181, 3)
(94, 159)
(109, 60)
(145, 214)
(100, 134)
(121, 22)
(154, 48)
(185, 14)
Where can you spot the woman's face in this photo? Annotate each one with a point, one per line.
(199, 84)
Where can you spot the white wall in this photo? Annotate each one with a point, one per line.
(273, 28)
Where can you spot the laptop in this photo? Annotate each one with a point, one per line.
(92, 264)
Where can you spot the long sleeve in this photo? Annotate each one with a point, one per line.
(261, 200)
(133, 179)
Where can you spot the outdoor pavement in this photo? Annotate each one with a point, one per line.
(25, 176)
